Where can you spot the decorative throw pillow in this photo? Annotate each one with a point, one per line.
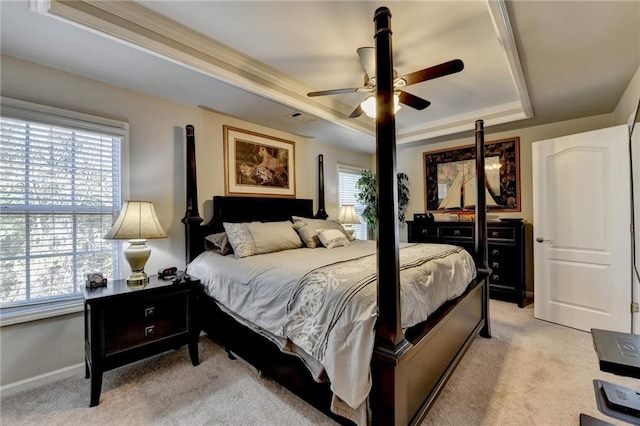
(308, 235)
(269, 237)
(331, 238)
(317, 224)
(219, 242)
(240, 239)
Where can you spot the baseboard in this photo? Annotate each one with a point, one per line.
(43, 379)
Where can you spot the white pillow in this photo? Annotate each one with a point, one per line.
(318, 224)
(331, 238)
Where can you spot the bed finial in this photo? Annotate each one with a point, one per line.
(191, 217)
(322, 214)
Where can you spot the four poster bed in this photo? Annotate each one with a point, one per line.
(369, 353)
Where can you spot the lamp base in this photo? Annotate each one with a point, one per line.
(137, 278)
(137, 254)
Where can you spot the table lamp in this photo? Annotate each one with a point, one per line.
(348, 217)
(137, 223)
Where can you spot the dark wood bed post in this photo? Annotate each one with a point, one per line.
(322, 214)
(191, 219)
(390, 340)
(480, 242)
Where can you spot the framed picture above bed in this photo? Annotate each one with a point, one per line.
(449, 177)
(257, 164)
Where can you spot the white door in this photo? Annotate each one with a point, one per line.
(582, 238)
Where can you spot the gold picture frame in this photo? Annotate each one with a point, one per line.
(258, 165)
(446, 171)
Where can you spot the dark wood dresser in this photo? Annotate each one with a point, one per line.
(124, 323)
(507, 246)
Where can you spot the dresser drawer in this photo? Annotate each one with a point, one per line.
(503, 278)
(424, 232)
(504, 266)
(503, 252)
(456, 232)
(501, 234)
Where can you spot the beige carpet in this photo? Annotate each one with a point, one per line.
(530, 373)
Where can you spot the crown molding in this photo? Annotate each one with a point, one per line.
(142, 28)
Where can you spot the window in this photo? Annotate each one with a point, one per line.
(60, 190)
(347, 190)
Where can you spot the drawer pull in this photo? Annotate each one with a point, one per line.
(495, 265)
(456, 232)
(424, 231)
(495, 252)
(148, 331)
(149, 312)
(496, 277)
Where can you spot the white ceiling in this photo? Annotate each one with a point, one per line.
(539, 61)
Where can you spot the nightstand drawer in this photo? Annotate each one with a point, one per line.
(136, 334)
(145, 311)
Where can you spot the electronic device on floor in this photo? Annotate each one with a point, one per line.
(621, 398)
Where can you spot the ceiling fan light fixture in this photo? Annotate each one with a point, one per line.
(369, 105)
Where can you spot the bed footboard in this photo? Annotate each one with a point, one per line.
(406, 386)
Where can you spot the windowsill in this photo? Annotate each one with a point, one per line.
(34, 313)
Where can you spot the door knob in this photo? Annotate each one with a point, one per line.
(541, 240)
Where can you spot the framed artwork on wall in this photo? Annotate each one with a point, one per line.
(257, 164)
(450, 183)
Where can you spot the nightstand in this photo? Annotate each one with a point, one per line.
(124, 323)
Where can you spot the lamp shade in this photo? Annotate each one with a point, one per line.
(137, 220)
(137, 223)
(369, 105)
(348, 215)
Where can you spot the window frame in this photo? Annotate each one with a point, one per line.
(28, 111)
(354, 170)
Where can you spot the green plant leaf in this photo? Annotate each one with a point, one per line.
(368, 196)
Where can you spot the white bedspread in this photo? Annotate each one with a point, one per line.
(324, 302)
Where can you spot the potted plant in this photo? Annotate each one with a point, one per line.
(368, 197)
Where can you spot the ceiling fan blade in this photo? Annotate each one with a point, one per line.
(356, 112)
(368, 59)
(335, 91)
(436, 71)
(413, 101)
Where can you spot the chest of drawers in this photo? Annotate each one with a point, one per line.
(507, 242)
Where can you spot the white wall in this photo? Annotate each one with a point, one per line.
(157, 173)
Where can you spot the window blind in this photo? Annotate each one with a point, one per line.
(347, 191)
(60, 190)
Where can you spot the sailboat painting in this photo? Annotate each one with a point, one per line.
(450, 178)
(457, 184)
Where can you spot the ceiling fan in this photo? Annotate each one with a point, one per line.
(367, 58)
